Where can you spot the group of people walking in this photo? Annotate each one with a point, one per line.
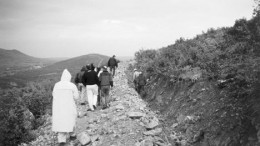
(90, 83)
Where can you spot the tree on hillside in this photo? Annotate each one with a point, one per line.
(257, 8)
(14, 126)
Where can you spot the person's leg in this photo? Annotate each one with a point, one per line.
(107, 96)
(62, 137)
(135, 84)
(98, 96)
(95, 93)
(90, 97)
(103, 102)
(85, 94)
(142, 90)
(114, 68)
(110, 68)
(73, 134)
(82, 97)
(138, 88)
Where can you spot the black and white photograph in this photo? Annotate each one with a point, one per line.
(129, 72)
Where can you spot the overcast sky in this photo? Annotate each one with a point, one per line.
(69, 28)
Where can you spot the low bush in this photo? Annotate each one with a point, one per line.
(231, 55)
(21, 111)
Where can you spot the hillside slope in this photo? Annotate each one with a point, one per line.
(207, 88)
(15, 58)
(127, 122)
(53, 71)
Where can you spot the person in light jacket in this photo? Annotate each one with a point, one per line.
(64, 111)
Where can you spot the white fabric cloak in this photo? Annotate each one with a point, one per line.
(64, 111)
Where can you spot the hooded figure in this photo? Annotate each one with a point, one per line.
(64, 112)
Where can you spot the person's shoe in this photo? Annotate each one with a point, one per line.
(94, 107)
(82, 103)
(73, 136)
(105, 106)
(62, 144)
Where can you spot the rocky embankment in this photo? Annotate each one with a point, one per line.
(128, 121)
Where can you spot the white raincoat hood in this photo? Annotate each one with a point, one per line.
(64, 111)
(66, 76)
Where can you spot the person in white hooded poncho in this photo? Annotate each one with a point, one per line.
(64, 111)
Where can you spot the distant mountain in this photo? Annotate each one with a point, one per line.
(57, 59)
(77, 62)
(17, 59)
(53, 71)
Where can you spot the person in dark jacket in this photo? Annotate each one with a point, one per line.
(81, 87)
(106, 81)
(135, 76)
(112, 64)
(141, 81)
(91, 81)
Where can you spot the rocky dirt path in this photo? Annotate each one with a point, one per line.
(127, 122)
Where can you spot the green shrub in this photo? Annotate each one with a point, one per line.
(228, 54)
(12, 125)
(21, 111)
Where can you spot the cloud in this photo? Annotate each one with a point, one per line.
(107, 21)
(102, 24)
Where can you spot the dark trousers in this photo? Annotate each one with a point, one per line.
(140, 88)
(135, 85)
(112, 70)
(99, 96)
(105, 95)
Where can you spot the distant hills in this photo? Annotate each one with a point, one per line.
(74, 65)
(43, 68)
(15, 58)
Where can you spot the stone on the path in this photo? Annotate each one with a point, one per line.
(152, 124)
(94, 119)
(181, 118)
(154, 132)
(159, 139)
(137, 144)
(119, 107)
(81, 114)
(136, 115)
(94, 138)
(174, 125)
(198, 136)
(146, 142)
(141, 108)
(160, 143)
(84, 138)
(183, 143)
